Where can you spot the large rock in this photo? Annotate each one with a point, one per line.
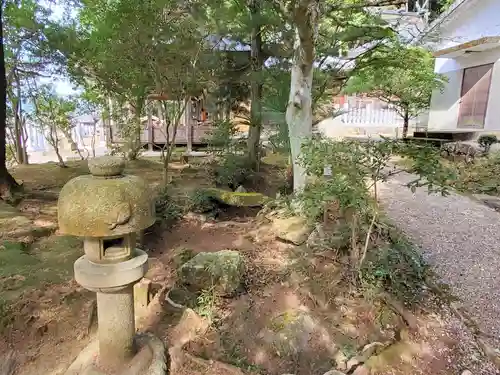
(222, 270)
(294, 229)
(238, 199)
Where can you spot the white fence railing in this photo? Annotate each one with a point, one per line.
(369, 116)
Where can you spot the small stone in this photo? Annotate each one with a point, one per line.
(466, 372)
(241, 189)
(221, 270)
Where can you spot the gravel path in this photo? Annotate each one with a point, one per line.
(459, 237)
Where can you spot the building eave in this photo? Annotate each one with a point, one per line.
(444, 17)
(477, 45)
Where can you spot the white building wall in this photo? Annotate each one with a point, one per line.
(445, 105)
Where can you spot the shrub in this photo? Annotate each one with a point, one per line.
(201, 201)
(222, 137)
(167, 210)
(232, 171)
(486, 141)
(356, 169)
(397, 267)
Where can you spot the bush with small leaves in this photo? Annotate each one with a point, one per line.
(222, 137)
(397, 267)
(232, 171)
(166, 208)
(486, 141)
(202, 201)
(356, 169)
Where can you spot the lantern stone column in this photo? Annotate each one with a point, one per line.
(107, 208)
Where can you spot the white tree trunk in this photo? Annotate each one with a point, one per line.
(299, 118)
(299, 110)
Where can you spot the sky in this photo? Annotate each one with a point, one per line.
(62, 85)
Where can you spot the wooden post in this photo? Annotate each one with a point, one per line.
(189, 125)
(150, 125)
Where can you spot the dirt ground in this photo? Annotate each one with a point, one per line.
(294, 315)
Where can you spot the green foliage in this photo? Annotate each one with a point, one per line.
(397, 268)
(166, 208)
(399, 75)
(206, 303)
(222, 137)
(232, 171)
(486, 141)
(53, 112)
(202, 201)
(480, 177)
(427, 164)
(356, 169)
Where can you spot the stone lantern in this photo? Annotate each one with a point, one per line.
(107, 209)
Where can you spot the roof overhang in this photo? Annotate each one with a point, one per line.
(471, 47)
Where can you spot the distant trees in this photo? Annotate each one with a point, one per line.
(52, 115)
(403, 77)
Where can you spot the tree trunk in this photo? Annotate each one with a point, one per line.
(24, 136)
(93, 140)
(53, 140)
(62, 164)
(299, 109)
(188, 123)
(7, 182)
(256, 85)
(406, 123)
(74, 145)
(18, 136)
(170, 143)
(20, 125)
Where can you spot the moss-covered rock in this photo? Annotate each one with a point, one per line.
(222, 270)
(294, 229)
(238, 199)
